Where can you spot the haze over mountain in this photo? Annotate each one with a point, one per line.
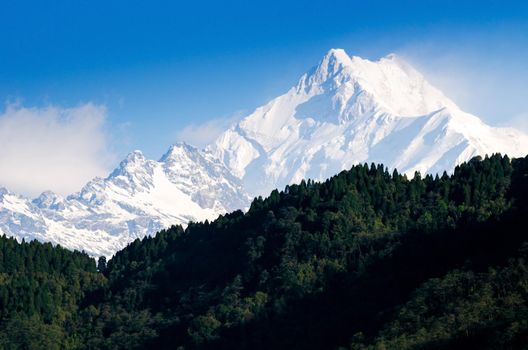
(346, 110)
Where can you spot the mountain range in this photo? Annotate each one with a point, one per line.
(344, 111)
(140, 197)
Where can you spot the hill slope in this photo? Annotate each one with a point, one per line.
(363, 258)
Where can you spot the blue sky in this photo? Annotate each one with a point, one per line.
(155, 70)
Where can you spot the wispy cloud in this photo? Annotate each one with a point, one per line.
(52, 148)
(202, 134)
(484, 73)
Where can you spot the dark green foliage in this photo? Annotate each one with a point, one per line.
(41, 287)
(462, 310)
(366, 259)
(101, 264)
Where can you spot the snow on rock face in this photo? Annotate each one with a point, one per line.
(346, 110)
(49, 200)
(204, 178)
(139, 198)
(349, 110)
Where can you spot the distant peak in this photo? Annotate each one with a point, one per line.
(48, 194)
(183, 146)
(134, 156)
(337, 53)
(335, 57)
(48, 199)
(388, 84)
(133, 160)
(331, 64)
(178, 149)
(180, 144)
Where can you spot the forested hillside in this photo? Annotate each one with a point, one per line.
(41, 290)
(366, 259)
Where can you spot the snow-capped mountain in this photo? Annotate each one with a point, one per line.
(349, 110)
(138, 198)
(346, 110)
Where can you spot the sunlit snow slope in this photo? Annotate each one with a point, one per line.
(349, 110)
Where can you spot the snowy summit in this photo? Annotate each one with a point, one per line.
(349, 110)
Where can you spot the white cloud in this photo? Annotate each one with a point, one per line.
(52, 148)
(202, 134)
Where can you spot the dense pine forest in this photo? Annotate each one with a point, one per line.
(368, 259)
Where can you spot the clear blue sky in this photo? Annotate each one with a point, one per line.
(159, 66)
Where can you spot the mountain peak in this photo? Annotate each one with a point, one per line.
(337, 55)
(353, 85)
(348, 110)
(331, 64)
(135, 156)
(48, 200)
(178, 150)
(133, 161)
